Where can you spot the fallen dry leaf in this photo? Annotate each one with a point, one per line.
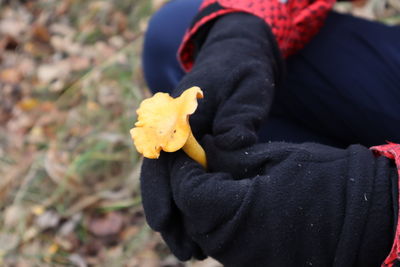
(40, 33)
(148, 258)
(359, 3)
(157, 3)
(13, 27)
(47, 106)
(26, 66)
(92, 248)
(92, 106)
(69, 226)
(13, 214)
(97, 6)
(117, 42)
(55, 164)
(28, 104)
(69, 242)
(51, 250)
(83, 203)
(109, 224)
(38, 210)
(79, 63)
(114, 253)
(10, 75)
(5, 112)
(8, 42)
(38, 49)
(209, 262)
(47, 220)
(129, 233)
(36, 135)
(8, 241)
(30, 233)
(50, 72)
(109, 95)
(171, 261)
(120, 20)
(62, 29)
(77, 260)
(14, 175)
(104, 50)
(395, 4)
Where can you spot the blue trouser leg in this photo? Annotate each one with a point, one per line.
(345, 84)
(342, 88)
(166, 28)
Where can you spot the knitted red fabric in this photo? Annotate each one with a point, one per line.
(293, 22)
(392, 151)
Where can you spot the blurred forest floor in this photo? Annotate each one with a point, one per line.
(70, 82)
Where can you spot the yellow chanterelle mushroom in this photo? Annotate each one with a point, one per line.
(163, 124)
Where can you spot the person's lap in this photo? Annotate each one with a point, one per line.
(345, 84)
(342, 88)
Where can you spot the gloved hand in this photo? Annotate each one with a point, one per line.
(282, 204)
(264, 204)
(274, 204)
(237, 69)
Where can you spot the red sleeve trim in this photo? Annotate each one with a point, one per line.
(392, 151)
(293, 22)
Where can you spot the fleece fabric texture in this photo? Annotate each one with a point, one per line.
(238, 70)
(282, 204)
(274, 204)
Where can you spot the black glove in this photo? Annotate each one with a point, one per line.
(237, 67)
(283, 204)
(279, 204)
(266, 204)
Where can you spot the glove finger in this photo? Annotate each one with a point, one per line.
(207, 200)
(240, 163)
(156, 193)
(160, 210)
(239, 116)
(180, 243)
